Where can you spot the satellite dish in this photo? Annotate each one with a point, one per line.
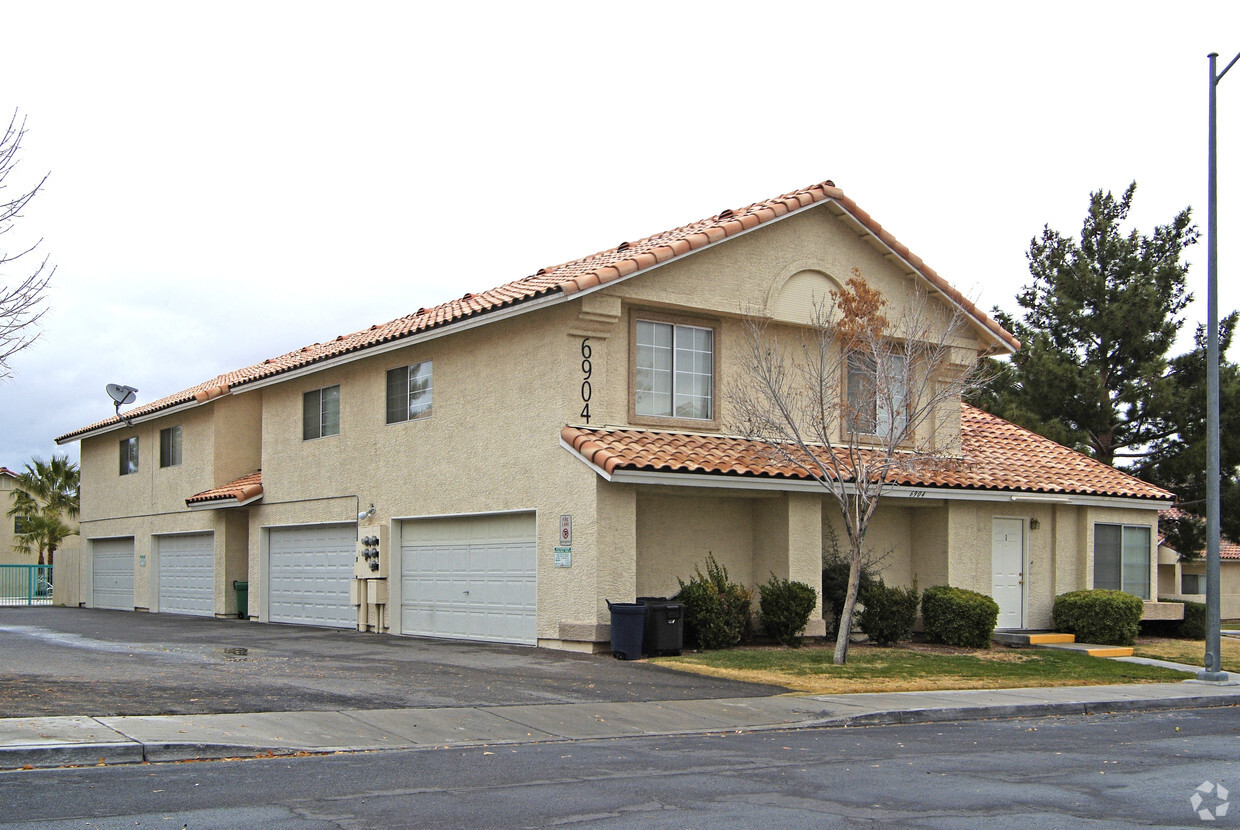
(122, 394)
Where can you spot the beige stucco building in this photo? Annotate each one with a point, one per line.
(8, 528)
(499, 466)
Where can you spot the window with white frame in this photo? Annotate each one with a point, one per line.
(129, 455)
(1122, 558)
(1192, 583)
(170, 447)
(875, 400)
(320, 412)
(409, 391)
(675, 371)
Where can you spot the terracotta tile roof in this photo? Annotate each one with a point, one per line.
(1227, 549)
(245, 489)
(568, 278)
(5, 471)
(996, 455)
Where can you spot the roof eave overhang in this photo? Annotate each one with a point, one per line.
(222, 504)
(657, 478)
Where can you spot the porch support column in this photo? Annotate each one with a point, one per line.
(616, 541)
(788, 543)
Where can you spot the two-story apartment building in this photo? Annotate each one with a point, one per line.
(498, 466)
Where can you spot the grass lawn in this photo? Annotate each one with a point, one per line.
(1192, 652)
(914, 667)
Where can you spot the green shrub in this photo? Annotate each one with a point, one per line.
(784, 608)
(835, 588)
(1193, 626)
(1099, 616)
(889, 613)
(958, 616)
(716, 609)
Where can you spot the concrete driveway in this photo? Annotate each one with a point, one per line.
(76, 661)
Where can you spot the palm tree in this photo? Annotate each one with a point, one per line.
(45, 500)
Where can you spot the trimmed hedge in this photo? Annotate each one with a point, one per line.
(784, 608)
(1099, 616)
(958, 616)
(888, 613)
(716, 609)
(1193, 626)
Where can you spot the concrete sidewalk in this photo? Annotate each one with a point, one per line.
(73, 741)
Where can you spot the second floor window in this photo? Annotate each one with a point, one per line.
(320, 413)
(170, 447)
(675, 371)
(875, 400)
(129, 455)
(409, 391)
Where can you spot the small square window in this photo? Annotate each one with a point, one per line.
(320, 413)
(1191, 584)
(129, 455)
(170, 447)
(409, 391)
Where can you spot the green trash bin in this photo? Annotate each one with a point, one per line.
(243, 598)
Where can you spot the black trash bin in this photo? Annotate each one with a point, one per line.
(665, 625)
(628, 624)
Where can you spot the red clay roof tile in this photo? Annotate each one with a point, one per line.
(243, 489)
(996, 455)
(567, 278)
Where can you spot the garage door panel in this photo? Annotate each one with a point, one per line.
(112, 574)
(470, 578)
(187, 574)
(308, 575)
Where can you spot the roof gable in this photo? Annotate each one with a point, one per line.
(565, 281)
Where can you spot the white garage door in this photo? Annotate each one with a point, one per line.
(470, 578)
(187, 574)
(310, 569)
(112, 573)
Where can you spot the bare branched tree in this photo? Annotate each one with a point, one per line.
(22, 298)
(858, 401)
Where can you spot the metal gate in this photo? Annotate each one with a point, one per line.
(25, 584)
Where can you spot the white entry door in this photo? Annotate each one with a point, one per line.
(309, 572)
(112, 573)
(186, 574)
(1007, 560)
(472, 578)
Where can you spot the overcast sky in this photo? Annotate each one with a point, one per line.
(230, 181)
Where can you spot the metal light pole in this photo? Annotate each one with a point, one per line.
(1214, 667)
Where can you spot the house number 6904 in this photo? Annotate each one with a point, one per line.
(587, 369)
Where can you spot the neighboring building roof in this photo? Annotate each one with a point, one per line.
(5, 471)
(567, 279)
(995, 455)
(248, 488)
(1227, 549)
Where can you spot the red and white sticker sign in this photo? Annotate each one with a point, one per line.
(566, 529)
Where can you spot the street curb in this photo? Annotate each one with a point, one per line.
(70, 755)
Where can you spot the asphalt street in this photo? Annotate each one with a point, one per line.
(1102, 771)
